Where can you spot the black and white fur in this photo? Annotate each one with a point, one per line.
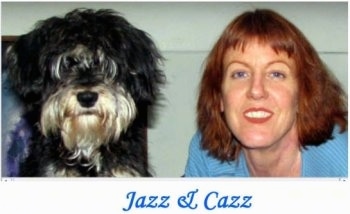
(86, 80)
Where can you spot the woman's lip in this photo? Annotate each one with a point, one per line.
(257, 115)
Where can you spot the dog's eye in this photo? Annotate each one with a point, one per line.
(96, 61)
(70, 61)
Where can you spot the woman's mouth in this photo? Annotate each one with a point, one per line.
(257, 115)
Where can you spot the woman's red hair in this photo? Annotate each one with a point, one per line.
(322, 101)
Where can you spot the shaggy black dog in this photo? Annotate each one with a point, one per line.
(86, 80)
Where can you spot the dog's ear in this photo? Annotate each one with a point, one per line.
(145, 61)
(22, 60)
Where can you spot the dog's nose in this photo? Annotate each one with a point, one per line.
(87, 98)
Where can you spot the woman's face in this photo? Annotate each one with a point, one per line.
(259, 95)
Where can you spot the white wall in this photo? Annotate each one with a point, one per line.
(185, 32)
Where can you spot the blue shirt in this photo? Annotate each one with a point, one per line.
(330, 159)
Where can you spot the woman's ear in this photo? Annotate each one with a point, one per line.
(221, 104)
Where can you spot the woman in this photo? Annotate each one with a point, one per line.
(268, 106)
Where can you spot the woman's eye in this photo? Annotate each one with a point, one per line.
(239, 74)
(277, 75)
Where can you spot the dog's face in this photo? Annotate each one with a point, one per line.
(87, 103)
(89, 73)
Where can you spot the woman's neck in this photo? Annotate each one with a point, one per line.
(283, 159)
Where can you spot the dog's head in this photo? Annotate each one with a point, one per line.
(89, 72)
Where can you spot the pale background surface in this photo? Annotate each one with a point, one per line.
(185, 32)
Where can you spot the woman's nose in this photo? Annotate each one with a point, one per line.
(257, 89)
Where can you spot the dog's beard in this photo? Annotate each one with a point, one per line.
(84, 130)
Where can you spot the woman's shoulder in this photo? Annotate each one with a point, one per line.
(329, 159)
(337, 144)
(202, 164)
